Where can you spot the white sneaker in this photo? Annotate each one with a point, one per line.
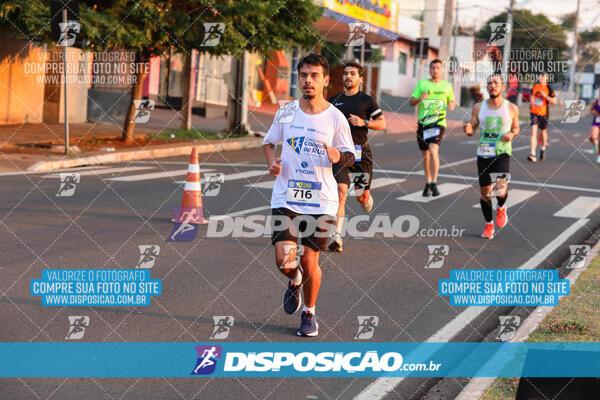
(336, 243)
(368, 206)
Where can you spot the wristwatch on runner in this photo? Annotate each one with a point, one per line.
(366, 122)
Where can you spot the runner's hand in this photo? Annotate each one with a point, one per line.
(508, 137)
(332, 153)
(275, 167)
(356, 120)
(468, 128)
(423, 96)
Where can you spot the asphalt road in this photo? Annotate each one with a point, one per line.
(104, 222)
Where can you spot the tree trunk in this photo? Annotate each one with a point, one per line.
(237, 110)
(136, 94)
(188, 97)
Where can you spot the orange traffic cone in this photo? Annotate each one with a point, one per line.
(191, 209)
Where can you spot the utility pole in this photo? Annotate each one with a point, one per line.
(506, 52)
(362, 54)
(65, 85)
(455, 64)
(572, 67)
(237, 111)
(446, 35)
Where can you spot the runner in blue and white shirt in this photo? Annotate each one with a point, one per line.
(314, 136)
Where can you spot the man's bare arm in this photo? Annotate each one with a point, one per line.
(472, 125)
(378, 123)
(451, 105)
(273, 163)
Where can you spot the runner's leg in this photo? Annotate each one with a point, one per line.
(341, 213)
(435, 161)
(363, 198)
(427, 164)
(311, 277)
(486, 203)
(533, 141)
(337, 242)
(594, 138)
(288, 269)
(544, 138)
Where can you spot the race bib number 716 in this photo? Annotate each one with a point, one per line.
(303, 193)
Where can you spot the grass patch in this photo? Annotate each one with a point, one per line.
(502, 388)
(184, 134)
(575, 319)
(577, 316)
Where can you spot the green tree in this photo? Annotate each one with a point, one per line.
(151, 28)
(333, 52)
(589, 45)
(532, 32)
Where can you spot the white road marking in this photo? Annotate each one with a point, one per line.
(581, 207)
(242, 212)
(153, 175)
(381, 182)
(385, 385)
(375, 184)
(546, 185)
(76, 169)
(239, 175)
(446, 189)
(471, 178)
(208, 164)
(117, 170)
(515, 196)
(262, 185)
(474, 158)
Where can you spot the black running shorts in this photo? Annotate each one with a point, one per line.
(424, 131)
(291, 226)
(485, 166)
(365, 165)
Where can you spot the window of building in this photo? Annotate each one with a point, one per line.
(402, 63)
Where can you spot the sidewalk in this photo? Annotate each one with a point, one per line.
(25, 147)
(575, 319)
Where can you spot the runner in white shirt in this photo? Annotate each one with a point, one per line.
(314, 135)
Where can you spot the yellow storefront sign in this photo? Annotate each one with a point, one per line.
(375, 12)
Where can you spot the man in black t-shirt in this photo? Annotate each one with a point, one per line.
(363, 113)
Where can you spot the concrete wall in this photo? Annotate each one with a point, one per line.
(31, 84)
(392, 81)
(78, 78)
(21, 83)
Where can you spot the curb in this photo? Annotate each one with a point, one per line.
(477, 386)
(145, 154)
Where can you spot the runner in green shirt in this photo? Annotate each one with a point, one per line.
(434, 97)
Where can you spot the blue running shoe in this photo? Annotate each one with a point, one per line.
(292, 298)
(309, 325)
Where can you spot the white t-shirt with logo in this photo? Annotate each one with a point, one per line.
(306, 184)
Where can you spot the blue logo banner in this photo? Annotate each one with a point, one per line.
(300, 359)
